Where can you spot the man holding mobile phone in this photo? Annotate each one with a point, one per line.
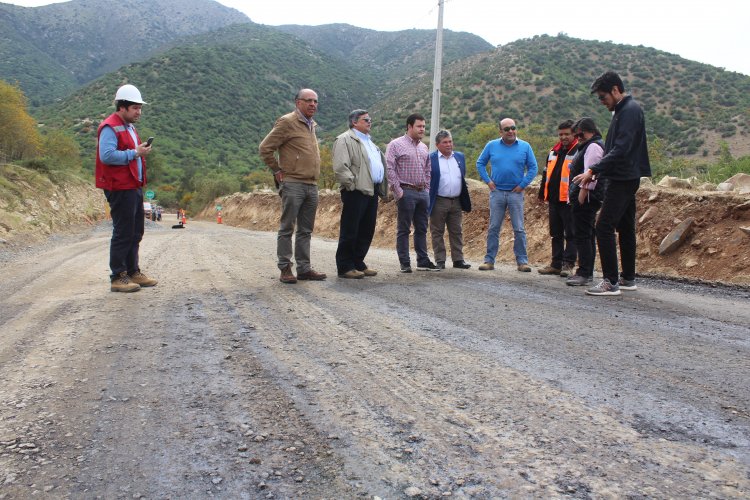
(121, 173)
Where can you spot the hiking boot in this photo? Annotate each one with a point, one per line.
(440, 265)
(405, 268)
(604, 288)
(627, 284)
(123, 283)
(287, 276)
(461, 264)
(429, 266)
(577, 280)
(487, 266)
(352, 275)
(312, 276)
(567, 270)
(524, 268)
(369, 272)
(549, 270)
(142, 279)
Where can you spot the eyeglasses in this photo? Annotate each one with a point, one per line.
(601, 97)
(308, 100)
(508, 129)
(366, 120)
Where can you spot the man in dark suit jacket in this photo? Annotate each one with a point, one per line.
(449, 198)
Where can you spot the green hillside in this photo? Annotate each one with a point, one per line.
(212, 100)
(54, 49)
(691, 107)
(393, 57)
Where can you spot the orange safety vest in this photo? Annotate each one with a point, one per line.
(564, 174)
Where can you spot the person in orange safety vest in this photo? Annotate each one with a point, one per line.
(554, 191)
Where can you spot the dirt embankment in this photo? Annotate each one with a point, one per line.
(716, 250)
(32, 207)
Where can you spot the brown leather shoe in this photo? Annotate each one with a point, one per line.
(142, 279)
(549, 270)
(312, 275)
(123, 283)
(352, 275)
(370, 272)
(287, 276)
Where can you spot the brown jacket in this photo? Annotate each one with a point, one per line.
(297, 149)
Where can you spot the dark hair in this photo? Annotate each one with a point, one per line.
(442, 135)
(354, 116)
(587, 124)
(413, 118)
(121, 103)
(606, 82)
(566, 124)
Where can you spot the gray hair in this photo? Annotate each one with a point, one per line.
(355, 115)
(443, 134)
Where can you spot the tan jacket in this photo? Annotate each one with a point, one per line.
(351, 165)
(297, 149)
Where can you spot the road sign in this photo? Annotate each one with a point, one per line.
(150, 195)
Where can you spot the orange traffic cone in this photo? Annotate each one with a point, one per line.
(218, 218)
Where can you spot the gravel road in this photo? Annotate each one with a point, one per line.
(223, 382)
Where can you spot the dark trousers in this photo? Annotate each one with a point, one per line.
(358, 215)
(584, 217)
(412, 208)
(617, 214)
(561, 231)
(126, 208)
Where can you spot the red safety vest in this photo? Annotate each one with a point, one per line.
(118, 177)
(564, 174)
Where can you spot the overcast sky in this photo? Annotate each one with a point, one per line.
(715, 32)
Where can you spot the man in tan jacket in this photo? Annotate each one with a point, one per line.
(291, 151)
(359, 166)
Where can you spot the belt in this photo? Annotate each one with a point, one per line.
(412, 188)
(448, 197)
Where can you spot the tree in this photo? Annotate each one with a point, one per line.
(327, 178)
(19, 138)
(61, 151)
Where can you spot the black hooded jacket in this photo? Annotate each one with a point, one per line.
(625, 150)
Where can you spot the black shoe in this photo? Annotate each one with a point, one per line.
(461, 264)
(441, 265)
(405, 268)
(429, 266)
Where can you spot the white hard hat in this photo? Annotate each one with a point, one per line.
(129, 93)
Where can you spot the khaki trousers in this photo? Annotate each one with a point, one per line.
(447, 212)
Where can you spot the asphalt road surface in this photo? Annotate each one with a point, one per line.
(223, 382)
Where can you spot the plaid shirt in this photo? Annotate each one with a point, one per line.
(407, 162)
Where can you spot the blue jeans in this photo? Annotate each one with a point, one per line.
(412, 209)
(500, 201)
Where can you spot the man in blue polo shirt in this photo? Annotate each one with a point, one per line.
(513, 167)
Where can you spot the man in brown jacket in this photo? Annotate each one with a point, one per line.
(291, 151)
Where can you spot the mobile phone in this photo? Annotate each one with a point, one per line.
(149, 141)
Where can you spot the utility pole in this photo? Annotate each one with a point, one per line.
(435, 118)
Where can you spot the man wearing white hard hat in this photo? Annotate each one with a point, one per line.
(121, 173)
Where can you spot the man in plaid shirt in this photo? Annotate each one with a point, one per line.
(408, 171)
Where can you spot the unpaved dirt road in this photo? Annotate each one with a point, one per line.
(222, 382)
